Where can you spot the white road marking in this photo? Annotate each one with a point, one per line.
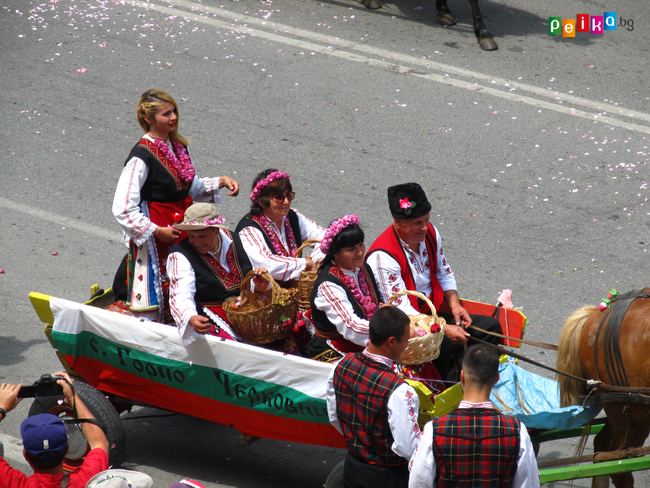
(472, 85)
(499, 87)
(44, 215)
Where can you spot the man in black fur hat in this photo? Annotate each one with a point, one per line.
(409, 256)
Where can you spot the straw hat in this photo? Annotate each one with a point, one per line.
(120, 478)
(201, 216)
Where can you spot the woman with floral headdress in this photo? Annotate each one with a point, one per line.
(345, 294)
(344, 298)
(158, 183)
(272, 231)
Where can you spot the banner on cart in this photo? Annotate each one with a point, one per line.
(261, 392)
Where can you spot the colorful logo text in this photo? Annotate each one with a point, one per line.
(594, 24)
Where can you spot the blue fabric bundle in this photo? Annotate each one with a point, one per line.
(541, 397)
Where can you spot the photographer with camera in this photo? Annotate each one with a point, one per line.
(45, 443)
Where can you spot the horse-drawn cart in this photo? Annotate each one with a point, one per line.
(124, 361)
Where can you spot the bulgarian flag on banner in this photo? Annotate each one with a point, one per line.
(260, 392)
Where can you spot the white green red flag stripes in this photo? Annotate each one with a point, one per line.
(260, 392)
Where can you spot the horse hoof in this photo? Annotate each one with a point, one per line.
(371, 4)
(488, 44)
(446, 19)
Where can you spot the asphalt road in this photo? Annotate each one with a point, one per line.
(535, 158)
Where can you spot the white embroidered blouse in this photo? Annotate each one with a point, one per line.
(281, 268)
(132, 216)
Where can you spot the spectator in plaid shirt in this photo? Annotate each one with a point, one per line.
(474, 445)
(373, 408)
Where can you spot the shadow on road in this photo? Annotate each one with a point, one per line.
(503, 21)
(12, 350)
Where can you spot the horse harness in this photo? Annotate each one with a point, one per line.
(612, 322)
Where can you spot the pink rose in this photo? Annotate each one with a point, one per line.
(404, 203)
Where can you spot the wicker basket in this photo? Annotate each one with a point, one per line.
(257, 318)
(307, 278)
(426, 348)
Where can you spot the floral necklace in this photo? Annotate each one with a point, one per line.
(267, 225)
(361, 293)
(182, 163)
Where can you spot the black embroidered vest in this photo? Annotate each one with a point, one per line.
(163, 183)
(247, 221)
(319, 317)
(212, 286)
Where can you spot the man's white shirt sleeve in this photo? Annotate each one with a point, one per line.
(331, 402)
(182, 288)
(422, 464)
(403, 410)
(445, 275)
(527, 475)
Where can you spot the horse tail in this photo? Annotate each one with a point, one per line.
(568, 355)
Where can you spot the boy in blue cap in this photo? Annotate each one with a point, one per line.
(45, 444)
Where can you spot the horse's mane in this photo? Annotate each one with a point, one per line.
(568, 357)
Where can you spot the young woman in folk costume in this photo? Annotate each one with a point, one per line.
(158, 183)
(272, 231)
(345, 294)
(344, 298)
(204, 270)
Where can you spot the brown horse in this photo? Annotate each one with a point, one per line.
(483, 36)
(627, 423)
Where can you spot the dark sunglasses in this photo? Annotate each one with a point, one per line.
(280, 198)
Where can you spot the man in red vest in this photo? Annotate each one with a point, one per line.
(474, 445)
(409, 256)
(373, 408)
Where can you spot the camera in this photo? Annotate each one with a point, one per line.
(45, 386)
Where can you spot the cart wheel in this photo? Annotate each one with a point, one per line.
(335, 479)
(103, 411)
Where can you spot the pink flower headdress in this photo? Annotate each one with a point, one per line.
(266, 182)
(335, 229)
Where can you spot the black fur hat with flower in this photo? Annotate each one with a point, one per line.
(408, 201)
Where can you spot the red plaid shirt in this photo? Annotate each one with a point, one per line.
(362, 388)
(475, 448)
